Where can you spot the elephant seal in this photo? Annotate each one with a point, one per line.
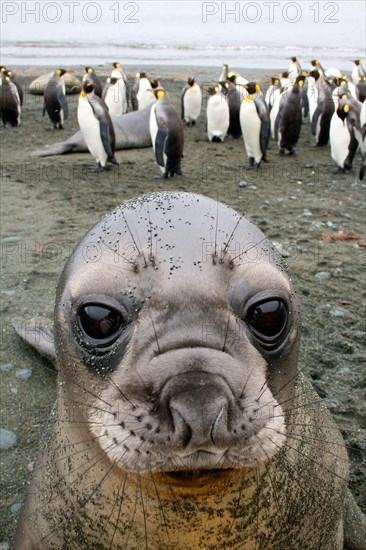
(181, 420)
(72, 84)
(132, 131)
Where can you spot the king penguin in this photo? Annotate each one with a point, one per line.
(289, 118)
(55, 102)
(344, 144)
(16, 83)
(191, 102)
(254, 122)
(294, 69)
(10, 105)
(140, 96)
(358, 71)
(218, 114)
(166, 129)
(320, 121)
(90, 76)
(96, 126)
(317, 66)
(115, 92)
(234, 99)
(273, 91)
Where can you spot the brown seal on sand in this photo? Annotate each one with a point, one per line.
(181, 419)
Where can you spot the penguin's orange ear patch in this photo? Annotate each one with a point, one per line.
(346, 108)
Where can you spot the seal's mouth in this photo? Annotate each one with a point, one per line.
(195, 477)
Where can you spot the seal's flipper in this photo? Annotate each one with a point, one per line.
(39, 336)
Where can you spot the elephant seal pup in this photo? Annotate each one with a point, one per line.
(132, 132)
(181, 421)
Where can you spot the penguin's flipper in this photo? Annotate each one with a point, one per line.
(63, 102)
(160, 142)
(44, 109)
(134, 100)
(263, 114)
(105, 137)
(264, 137)
(314, 121)
(305, 100)
(360, 139)
(182, 100)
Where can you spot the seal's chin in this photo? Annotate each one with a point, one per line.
(193, 478)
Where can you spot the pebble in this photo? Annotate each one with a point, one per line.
(8, 292)
(329, 224)
(12, 239)
(284, 252)
(337, 271)
(309, 165)
(8, 439)
(307, 212)
(16, 508)
(293, 198)
(253, 187)
(243, 184)
(6, 367)
(336, 312)
(23, 374)
(322, 276)
(319, 309)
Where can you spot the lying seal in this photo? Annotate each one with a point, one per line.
(181, 421)
(72, 84)
(132, 131)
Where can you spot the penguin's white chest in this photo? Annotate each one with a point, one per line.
(153, 133)
(251, 126)
(273, 114)
(192, 102)
(144, 97)
(218, 117)
(90, 129)
(116, 99)
(339, 140)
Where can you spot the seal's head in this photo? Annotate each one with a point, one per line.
(178, 321)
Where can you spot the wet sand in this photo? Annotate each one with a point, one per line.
(49, 203)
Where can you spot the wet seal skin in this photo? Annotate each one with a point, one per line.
(182, 421)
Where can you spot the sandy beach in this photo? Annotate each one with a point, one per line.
(315, 217)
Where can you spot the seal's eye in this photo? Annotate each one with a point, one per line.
(267, 320)
(100, 322)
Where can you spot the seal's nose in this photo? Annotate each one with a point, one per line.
(200, 419)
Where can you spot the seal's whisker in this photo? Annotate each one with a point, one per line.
(304, 437)
(328, 427)
(120, 391)
(155, 333)
(143, 508)
(123, 482)
(246, 382)
(315, 461)
(94, 407)
(160, 504)
(70, 455)
(226, 247)
(247, 250)
(308, 391)
(91, 393)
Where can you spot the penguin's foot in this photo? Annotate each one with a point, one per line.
(338, 170)
(97, 168)
(249, 166)
(282, 151)
(292, 151)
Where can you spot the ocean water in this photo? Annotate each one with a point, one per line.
(260, 34)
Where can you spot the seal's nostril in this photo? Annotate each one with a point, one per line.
(182, 429)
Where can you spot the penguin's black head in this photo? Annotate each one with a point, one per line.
(154, 84)
(2, 69)
(315, 74)
(284, 74)
(88, 87)
(212, 90)
(300, 80)
(252, 87)
(8, 73)
(295, 58)
(343, 109)
(141, 75)
(60, 72)
(191, 80)
(159, 93)
(314, 62)
(89, 70)
(116, 65)
(232, 77)
(357, 62)
(275, 80)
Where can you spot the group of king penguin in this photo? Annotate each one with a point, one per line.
(334, 103)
